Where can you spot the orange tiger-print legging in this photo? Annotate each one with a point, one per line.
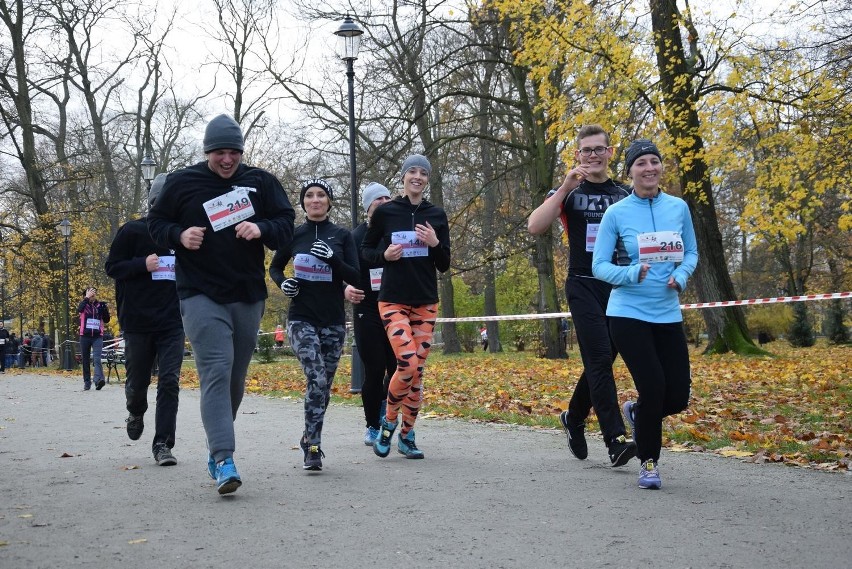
(409, 329)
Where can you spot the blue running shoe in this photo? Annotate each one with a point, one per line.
(227, 478)
(627, 409)
(407, 447)
(211, 466)
(382, 445)
(370, 436)
(649, 476)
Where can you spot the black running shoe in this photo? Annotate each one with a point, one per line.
(621, 450)
(135, 426)
(100, 384)
(576, 437)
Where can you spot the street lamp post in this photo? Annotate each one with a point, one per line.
(350, 41)
(148, 167)
(65, 230)
(349, 34)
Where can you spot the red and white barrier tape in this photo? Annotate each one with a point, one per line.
(718, 304)
(772, 300)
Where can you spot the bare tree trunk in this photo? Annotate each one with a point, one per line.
(726, 327)
(542, 157)
(489, 199)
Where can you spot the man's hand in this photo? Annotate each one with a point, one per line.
(152, 262)
(290, 287)
(247, 230)
(192, 237)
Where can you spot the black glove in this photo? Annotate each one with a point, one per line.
(290, 287)
(321, 250)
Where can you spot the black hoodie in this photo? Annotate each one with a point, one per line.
(412, 279)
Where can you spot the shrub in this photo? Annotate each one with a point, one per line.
(265, 348)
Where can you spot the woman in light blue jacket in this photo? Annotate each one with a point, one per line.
(655, 253)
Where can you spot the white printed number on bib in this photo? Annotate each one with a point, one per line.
(411, 246)
(229, 209)
(309, 268)
(660, 247)
(165, 269)
(591, 235)
(376, 278)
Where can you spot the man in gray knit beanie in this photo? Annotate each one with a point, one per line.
(223, 132)
(218, 216)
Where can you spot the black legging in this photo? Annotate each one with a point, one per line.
(378, 358)
(587, 300)
(658, 360)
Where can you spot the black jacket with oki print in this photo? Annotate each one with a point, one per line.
(226, 269)
(410, 280)
(582, 207)
(320, 301)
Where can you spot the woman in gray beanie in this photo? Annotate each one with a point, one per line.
(373, 346)
(410, 238)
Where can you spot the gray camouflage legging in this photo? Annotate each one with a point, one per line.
(318, 350)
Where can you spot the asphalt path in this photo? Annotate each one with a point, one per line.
(79, 493)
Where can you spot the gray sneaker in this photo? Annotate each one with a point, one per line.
(163, 455)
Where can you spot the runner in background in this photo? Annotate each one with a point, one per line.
(149, 316)
(373, 346)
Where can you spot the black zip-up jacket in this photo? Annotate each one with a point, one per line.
(410, 280)
(225, 268)
(144, 305)
(319, 302)
(371, 297)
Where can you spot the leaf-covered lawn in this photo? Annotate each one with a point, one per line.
(792, 408)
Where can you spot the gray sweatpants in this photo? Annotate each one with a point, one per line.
(223, 338)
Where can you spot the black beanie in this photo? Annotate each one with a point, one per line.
(640, 147)
(223, 133)
(319, 183)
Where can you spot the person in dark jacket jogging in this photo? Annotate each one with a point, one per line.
(217, 216)
(149, 315)
(374, 348)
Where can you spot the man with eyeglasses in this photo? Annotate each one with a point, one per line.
(580, 202)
